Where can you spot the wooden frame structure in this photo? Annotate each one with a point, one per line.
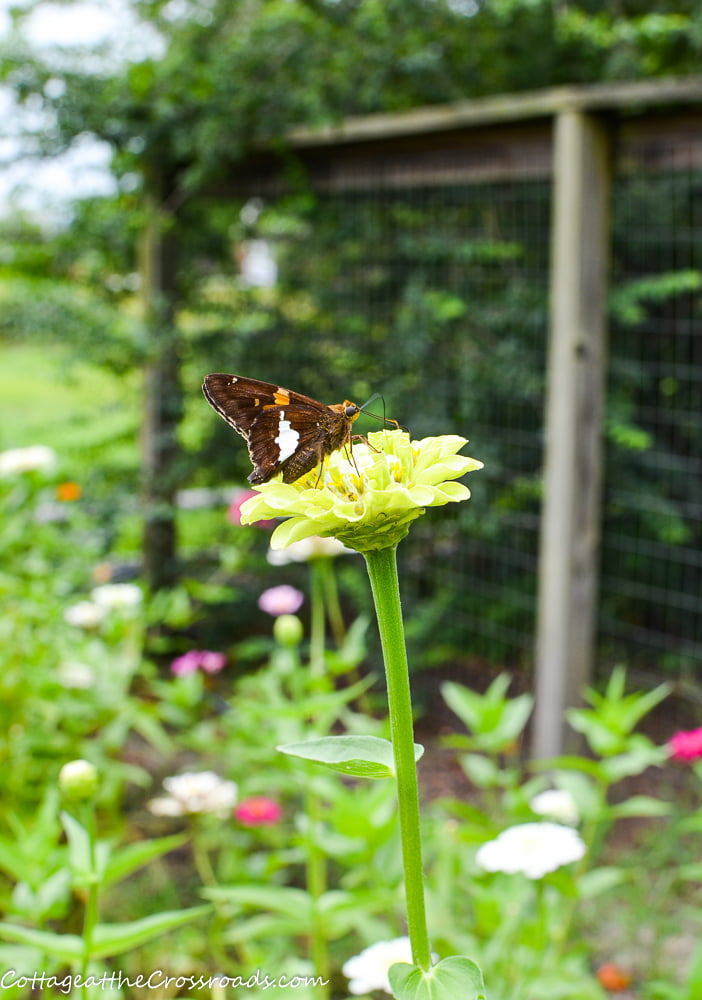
(573, 135)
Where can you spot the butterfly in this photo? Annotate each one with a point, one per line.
(284, 430)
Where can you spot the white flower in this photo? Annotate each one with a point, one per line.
(368, 971)
(75, 674)
(556, 804)
(38, 456)
(195, 792)
(314, 547)
(84, 614)
(117, 595)
(532, 848)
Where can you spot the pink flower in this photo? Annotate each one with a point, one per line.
(234, 512)
(258, 811)
(282, 600)
(198, 659)
(686, 745)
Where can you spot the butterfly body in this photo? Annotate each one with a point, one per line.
(285, 431)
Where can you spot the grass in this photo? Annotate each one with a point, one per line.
(47, 397)
(91, 418)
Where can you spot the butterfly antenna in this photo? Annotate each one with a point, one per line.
(384, 419)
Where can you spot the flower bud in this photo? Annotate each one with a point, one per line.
(78, 780)
(288, 630)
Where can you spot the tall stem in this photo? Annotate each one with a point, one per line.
(316, 887)
(91, 913)
(317, 629)
(382, 570)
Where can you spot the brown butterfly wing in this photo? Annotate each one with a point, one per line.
(241, 400)
(289, 439)
(284, 430)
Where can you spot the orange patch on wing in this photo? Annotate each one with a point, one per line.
(282, 397)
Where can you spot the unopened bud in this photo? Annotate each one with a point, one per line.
(78, 780)
(288, 630)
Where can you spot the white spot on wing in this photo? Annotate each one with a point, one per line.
(287, 439)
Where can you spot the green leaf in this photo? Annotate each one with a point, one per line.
(482, 771)
(296, 903)
(79, 847)
(66, 947)
(568, 763)
(128, 859)
(641, 805)
(495, 720)
(643, 754)
(454, 978)
(598, 880)
(693, 985)
(362, 756)
(114, 939)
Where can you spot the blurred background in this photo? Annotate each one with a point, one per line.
(161, 217)
(490, 213)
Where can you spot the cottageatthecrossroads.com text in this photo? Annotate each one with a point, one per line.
(155, 980)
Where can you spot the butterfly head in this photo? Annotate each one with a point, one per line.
(350, 410)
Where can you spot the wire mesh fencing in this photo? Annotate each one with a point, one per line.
(427, 280)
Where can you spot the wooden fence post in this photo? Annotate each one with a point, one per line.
(570, 522)
(162, 393)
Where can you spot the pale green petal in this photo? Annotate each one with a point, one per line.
(370, 500)
(293, 530)
(449, 492)
(443, 470)
(422, 496)
(255, 509)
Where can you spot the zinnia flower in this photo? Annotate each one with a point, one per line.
(686, 745)
(557, 804)
(258, 811)
(613, 977)
(32, 459)
(531, 848)
(68, 491)
(75, 674)
(84, 614)
(118, 596)
(368, 970)
(193, 792)
(282, 600)
(368, 501)
(198, 659)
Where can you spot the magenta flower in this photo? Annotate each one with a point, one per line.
(258, 811)
(686, 745)
(282, 600)
(234, 512)
(198, 659)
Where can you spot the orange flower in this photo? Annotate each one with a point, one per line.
(612, 977)
(68, 491)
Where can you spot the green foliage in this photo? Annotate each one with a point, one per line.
(437, 299)
(450, 978)
(608, 725)
(361, 756)
(495, 721)
(326, 870)
(243, 73)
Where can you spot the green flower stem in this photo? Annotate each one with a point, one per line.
(92, 904)
(382, 570)
(316, 886)
(317, 629)
(331, 599)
